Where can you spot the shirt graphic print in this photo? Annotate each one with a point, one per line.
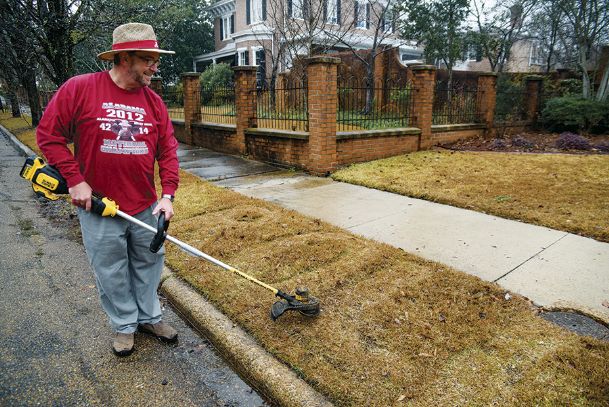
(126, 127)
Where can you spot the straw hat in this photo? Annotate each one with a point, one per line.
(133, 37)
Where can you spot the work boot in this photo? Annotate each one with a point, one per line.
(161, 330)
(123, 344)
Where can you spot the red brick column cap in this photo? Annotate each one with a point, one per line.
(245, 68)
(190, 74)
(488, 74)
(423, 67)
(323, 60)
(533, 78)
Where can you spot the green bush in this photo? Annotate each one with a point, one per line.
(218, 75)
(572, 113)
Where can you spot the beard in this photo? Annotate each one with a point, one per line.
(140, 77)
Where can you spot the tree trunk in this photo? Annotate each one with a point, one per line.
(14, 100)
(369, 84)
(583, 63)
(603, 88)
(29, 83)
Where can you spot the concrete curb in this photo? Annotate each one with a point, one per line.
(260, 369)
(275, 381)
(25, 150)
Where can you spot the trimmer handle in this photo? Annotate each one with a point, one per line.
(103, 206)
(161, 233)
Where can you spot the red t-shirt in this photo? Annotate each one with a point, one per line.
(117, 134)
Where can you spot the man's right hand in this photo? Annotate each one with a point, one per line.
(81, 195)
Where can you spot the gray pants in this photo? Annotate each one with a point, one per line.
(127, 274)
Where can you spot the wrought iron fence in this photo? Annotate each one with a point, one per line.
(174, 100)
(383, 106)
(510, 106)
(218, 104)
(455, 104)
(284, 108)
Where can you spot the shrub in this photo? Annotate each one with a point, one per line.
(572, 141)
(498, 143)
(217, 75)
(574, 113)
(520, 141)
(604, 147)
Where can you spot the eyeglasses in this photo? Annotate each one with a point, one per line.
(150, 61)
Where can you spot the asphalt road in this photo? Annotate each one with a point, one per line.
(55, 339)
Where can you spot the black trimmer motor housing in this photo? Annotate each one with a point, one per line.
(301, 302)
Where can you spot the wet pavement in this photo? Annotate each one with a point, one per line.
(55, 342)
(214, 166)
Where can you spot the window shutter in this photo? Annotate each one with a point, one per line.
(356, 8)
(290, 8)
(232, 23)
(248, 18)
(236, 60)
(246, 58)
(367, 15)
(221, 28)
(338, 11)
(325, 11)
(263, 10)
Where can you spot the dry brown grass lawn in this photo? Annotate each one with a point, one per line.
(394, 329)
(565, 192)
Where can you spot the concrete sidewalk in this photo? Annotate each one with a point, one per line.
(554, 269)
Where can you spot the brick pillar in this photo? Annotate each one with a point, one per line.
(424, 84)
(245, 102)
(533, 84)
(409, 70)
(487, 100)
(157, 85)
(322, 104)
(192, 102)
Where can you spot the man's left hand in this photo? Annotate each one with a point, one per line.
(164, 205)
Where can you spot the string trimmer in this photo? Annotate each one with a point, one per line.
(47, 182)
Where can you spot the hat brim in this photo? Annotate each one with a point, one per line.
(109, 55)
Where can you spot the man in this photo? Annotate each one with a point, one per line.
(95, 112)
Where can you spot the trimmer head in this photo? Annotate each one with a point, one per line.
(301, 302)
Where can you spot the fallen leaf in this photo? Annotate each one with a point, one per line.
(401, 398)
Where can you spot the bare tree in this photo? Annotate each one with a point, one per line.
(588, 22)
(499, 27)
(547, 27)
(300, 28)
(381, 20)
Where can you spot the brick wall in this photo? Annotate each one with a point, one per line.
(222, 138)
(451, 133)
(281, 149)
(355, 149)
(180, 131)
